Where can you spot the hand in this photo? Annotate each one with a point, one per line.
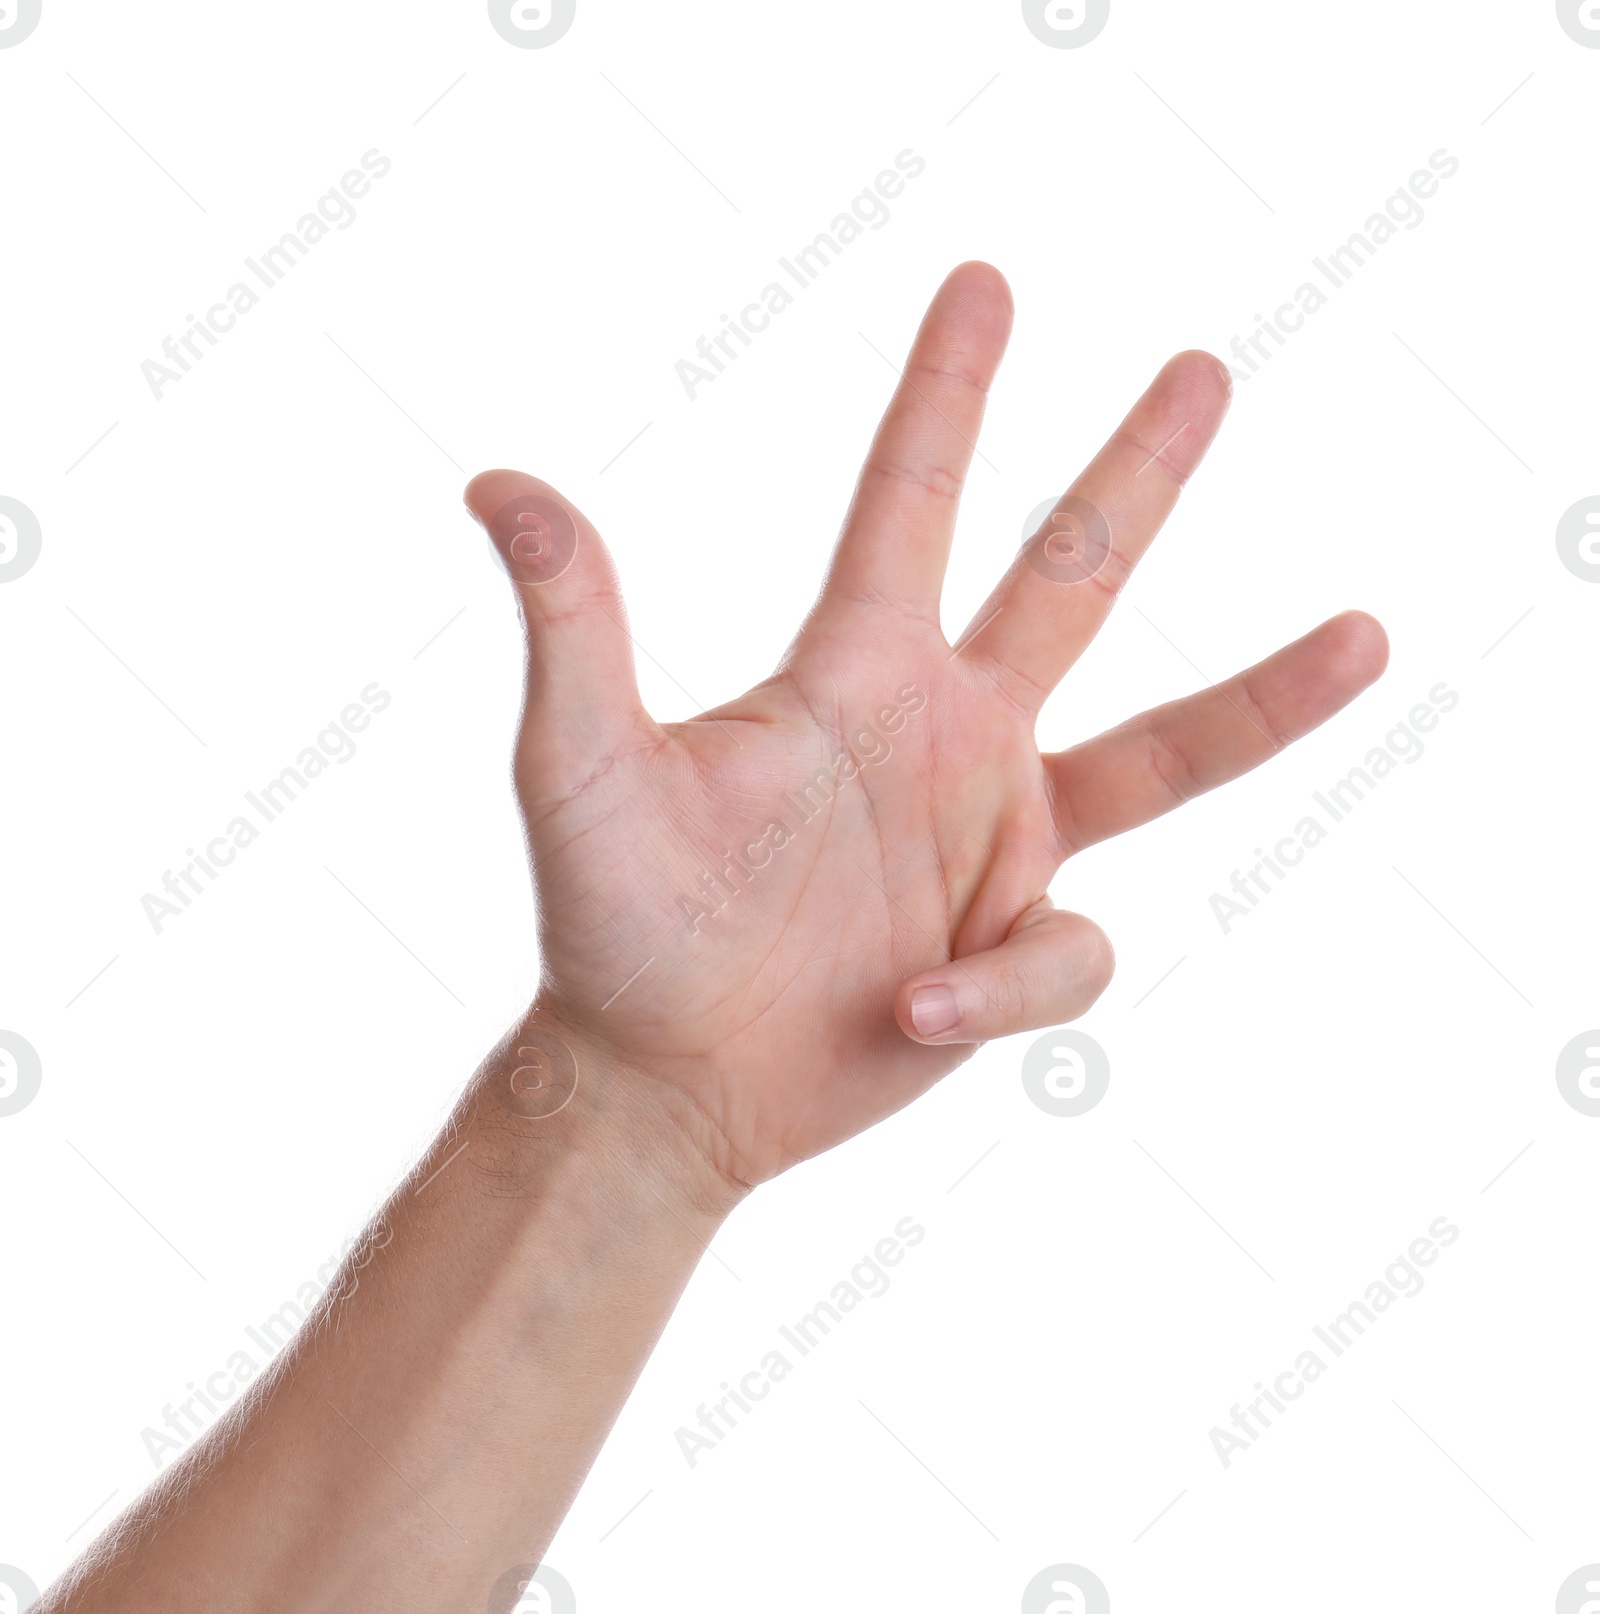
(790, 916)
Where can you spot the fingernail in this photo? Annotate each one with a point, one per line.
(934, 1011)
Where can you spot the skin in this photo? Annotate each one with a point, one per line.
(429, 1427)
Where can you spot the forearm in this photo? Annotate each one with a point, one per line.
(429, 1427)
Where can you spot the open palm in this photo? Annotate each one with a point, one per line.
(799, 910)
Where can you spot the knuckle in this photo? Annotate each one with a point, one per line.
(1112, 575)
(1256, 712)
(1006, 997)
(1171, 766)
(935, 480)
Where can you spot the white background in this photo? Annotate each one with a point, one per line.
(227, 1101)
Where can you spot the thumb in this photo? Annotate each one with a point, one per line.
(1050, 968)
(581, 702)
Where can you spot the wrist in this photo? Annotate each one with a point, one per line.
(551, 1089)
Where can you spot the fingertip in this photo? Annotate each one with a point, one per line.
(979, 291)
(1102, 966)
(1179, 413)
(1053, 966)
(1360, 645)
(1200, 375)
(488, 491)
(917, 1016)
(536, 532)
(1093, 960)
(929, 1012)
